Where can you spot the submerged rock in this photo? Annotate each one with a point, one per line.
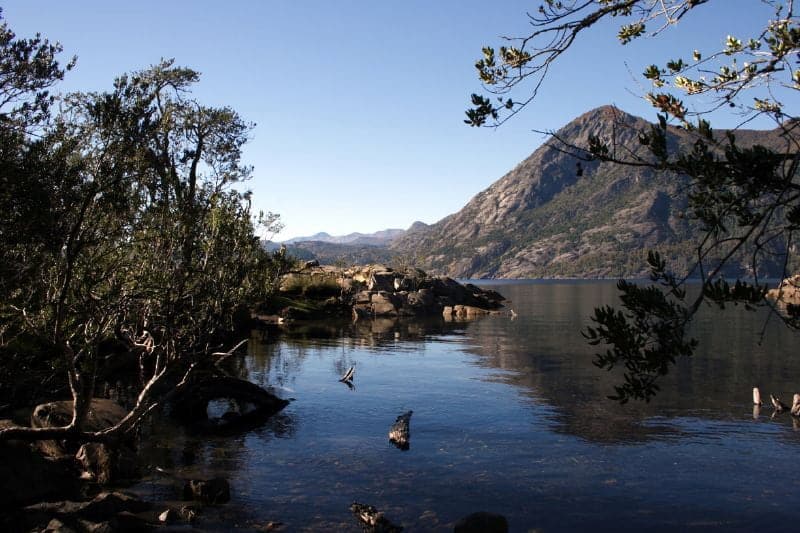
(373, 520)
(400, 433)
(207, 491)
(482, 522)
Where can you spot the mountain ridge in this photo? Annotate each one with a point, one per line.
(551, 216)
(376, 238)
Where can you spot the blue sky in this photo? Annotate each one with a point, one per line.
(359, 104)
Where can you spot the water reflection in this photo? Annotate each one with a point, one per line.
(511, 417)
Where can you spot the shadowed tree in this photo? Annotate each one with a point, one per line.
(138, 237)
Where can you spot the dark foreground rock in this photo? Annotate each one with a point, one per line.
(102, 414)
(207, 491)
(372, 520)
(108, 511)
(253, 404)
(28, 476)
(482, 522)
(400, 432)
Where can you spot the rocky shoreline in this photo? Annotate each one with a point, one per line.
(376, 291)
(72, 486)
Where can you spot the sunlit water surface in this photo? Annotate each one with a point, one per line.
(511, 417)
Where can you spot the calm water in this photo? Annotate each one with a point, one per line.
(510, 416)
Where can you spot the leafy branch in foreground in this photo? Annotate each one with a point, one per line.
(744, 196)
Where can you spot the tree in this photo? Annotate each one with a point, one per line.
(136, 234)
(747, 198)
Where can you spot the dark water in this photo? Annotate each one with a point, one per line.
(510, 416)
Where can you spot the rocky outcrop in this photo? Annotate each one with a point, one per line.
(788, 292)
(380, 291)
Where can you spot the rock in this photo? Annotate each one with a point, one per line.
(310, 264)
(102, 414)
(410, 293)
(400, 432)
(27, 476)
(373, 520)
(469, 311)
(188, 512)
(191, 405)
(363, 297)
(384, 304)
(788, 292)
(482, 522)
(105, 507)
(104, 464)
(382, 281)
(57, 526)
(95, 527)
(210, 491)
(169, 516)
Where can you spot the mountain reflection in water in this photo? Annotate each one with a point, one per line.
(510, 416)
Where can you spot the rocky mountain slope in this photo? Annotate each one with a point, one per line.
(550, 217)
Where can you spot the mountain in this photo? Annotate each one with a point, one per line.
(550, 217)
(379, 238)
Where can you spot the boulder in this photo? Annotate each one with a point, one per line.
(788, 291)
(104, 464)
(207, 491)
(382, 281)
(190, 406)
(108, 511)
(363, 297)
(469, 311)
(102, 414)
(27, 476)
(385, 304)
(482, 522)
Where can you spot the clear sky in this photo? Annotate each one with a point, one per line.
(359, 103)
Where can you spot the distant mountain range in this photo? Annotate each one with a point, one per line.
(379, 238)
(549, 217)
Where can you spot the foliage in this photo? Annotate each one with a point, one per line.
(119, 220)
(745, 197)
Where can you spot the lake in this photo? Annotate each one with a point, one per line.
(509, 416)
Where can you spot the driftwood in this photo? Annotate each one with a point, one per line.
(373, 520)
(349, 375)
(399, 434)
(796, 405)
(778, 404)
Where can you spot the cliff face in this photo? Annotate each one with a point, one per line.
(550, 217)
